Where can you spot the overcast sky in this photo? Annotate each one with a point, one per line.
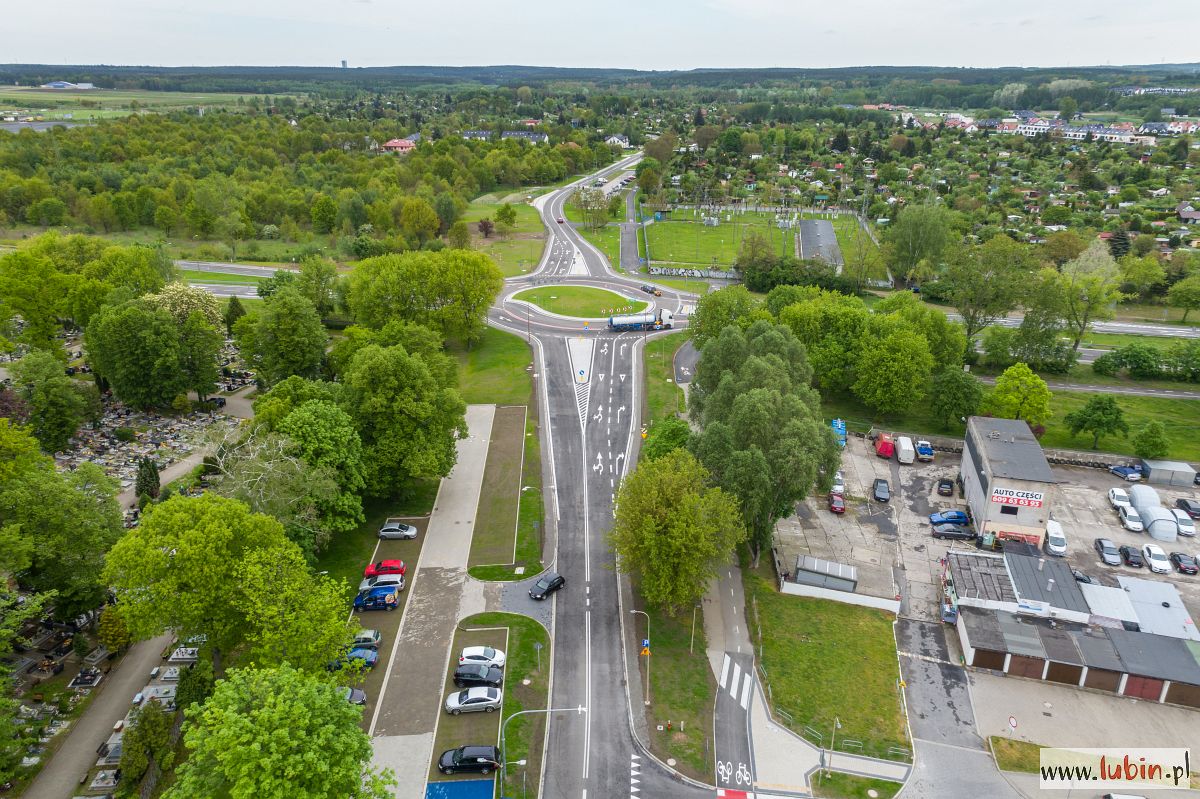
(647, 34)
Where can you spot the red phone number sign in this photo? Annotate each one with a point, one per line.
(1025, 499)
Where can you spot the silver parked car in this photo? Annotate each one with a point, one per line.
(474, 699)
(367, 639)
(382, 581)
(394, 528)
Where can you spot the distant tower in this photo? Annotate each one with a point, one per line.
(344, 64)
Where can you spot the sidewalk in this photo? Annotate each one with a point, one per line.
(402, 731)
(60, 777)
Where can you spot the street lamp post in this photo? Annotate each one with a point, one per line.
(647, 615)
(504, 727)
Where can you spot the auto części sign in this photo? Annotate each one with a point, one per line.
(1012, 496)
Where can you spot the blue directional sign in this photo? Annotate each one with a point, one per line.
(645, 643)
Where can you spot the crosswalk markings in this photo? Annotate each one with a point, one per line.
(724, 671)
(741, 683)
(746, 685)
(733, 684)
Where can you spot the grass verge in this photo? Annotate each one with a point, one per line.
(824, 660)
(581, 301)
(1013, 755)
(606, 239)
(514, 256)
(1177, 415)
(663, 398)
(682, 690)
(496, 517)
(197, 276)
(847, 786)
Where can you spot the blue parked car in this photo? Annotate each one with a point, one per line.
(1130, 473)
(949, 517)
(367, 657)
(382, 598)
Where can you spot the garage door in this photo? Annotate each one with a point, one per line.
(1182, 694)
(1065, 673)
(1102, 680)
(1021, 666)
(1143, 688)
(986, 659)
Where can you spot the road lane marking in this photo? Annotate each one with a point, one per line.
(737, 675)
(746, 683)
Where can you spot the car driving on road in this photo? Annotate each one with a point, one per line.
(546, 585)
(474, 700)
(1108, 552)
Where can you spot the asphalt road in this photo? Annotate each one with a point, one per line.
(591, 394)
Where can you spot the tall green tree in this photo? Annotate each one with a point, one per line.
(459, 236)
(316, 281)
(469, 284)
(918, 236)
(284, 338)
(136, 349)
(148, 479)
(323, 213)
(719, 309)
(672, 529)
(1090, 287)
(1186, 295)
(409, 420)
(955, 395)
(988, 281)
(1019, 394)
(418, 221)
(146, 741)
(181, 301)
(506, 214)
(1101, 416)
(57, 404)
(233, 312)
(199, 346)
(1151, 441)
(180, 569)
(893, 371)
(275, 733)
(325, 437)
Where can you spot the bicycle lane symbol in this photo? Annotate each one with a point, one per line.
(724, 770)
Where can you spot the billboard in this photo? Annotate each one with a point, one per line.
(1013, 496)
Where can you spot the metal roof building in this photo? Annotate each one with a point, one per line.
(1159, 608)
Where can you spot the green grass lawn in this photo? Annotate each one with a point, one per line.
(682, 689)
(683, 239)
(494, 538)
(528, 220)
(847, 786)
(1014, 755)
(663, 397)
(1177, 415)
(826, 659)
(607, 240)
(679, 284)
(1162, 314)
(494, 370)
(1114, 340)
(514, 256)
(581, 301)
(196, 276)
(859, 253)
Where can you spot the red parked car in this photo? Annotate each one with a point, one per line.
(385, 567)
(837, 504)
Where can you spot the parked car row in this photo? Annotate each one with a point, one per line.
(1151, 556)
(479, 677)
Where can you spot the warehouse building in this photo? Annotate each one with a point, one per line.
(1006, 480)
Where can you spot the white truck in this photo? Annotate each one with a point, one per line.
(904, 450)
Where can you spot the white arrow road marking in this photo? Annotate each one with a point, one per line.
(620, 458)
(599, 413)
(619, 413)
(599, 463)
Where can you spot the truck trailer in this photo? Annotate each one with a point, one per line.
(642, 321)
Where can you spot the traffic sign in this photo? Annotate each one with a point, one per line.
(646, 651)
(645, 643)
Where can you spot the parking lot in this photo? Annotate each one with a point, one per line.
(891, 546)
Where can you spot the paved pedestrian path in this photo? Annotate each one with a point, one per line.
(409, 705)
(60, 777)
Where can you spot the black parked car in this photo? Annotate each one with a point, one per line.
(1184, 563)
(473, 759)
(1108, 552)
(1084, 578)
(468, 675)
(1132, 556)
(1189, 506)
(954, 531)
(881, 491)
(945, 488)
(546, 585)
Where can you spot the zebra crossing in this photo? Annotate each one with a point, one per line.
(739, 684)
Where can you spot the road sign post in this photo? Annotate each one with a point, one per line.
(646, 651)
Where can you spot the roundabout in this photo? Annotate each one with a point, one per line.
(584, 302)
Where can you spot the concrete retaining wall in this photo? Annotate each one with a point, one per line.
(879, 603)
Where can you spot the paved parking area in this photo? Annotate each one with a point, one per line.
(1085, 514)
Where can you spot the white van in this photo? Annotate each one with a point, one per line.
(905, 453)
(1056, 541)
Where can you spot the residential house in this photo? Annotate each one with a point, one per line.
(617, 140)
(1187, 213)
(399, 146)
(528, 136)
(477, 135)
